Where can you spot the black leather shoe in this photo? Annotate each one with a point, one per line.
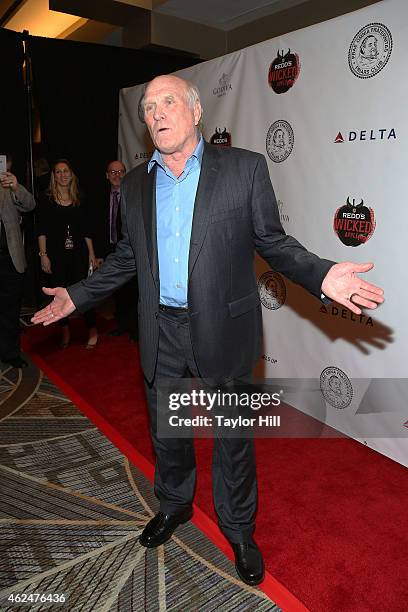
(248, 562)
(161, 528)
(17, 362)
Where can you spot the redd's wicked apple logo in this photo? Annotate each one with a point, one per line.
(354, 223)
(284, 71)
(221, 138)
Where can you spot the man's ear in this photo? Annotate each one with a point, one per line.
(198, 111)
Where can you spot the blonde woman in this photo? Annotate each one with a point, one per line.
(64, 239)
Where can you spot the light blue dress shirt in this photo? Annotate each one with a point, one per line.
(174, 212)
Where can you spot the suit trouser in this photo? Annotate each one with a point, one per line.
(233, 468)
(11, 295)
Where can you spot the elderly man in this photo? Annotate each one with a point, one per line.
(192, 218)
(14, 199)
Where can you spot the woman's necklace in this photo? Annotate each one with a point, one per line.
(63, 200)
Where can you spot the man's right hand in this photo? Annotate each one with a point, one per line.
(60, 307)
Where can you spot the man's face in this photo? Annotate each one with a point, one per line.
(369, 49)
(115, 173)
(168, 116)
(279, 139)
(334, 383)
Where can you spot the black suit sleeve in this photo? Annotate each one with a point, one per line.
(118, 268)
(282, 252)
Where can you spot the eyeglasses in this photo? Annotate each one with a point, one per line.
(114, 172)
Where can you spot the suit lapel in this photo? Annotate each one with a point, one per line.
(149, 218)
(203, 203)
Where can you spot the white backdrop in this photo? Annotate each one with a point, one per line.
(341, 136)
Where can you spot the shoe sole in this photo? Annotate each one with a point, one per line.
(156, 545)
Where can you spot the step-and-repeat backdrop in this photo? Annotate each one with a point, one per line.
(327, 106)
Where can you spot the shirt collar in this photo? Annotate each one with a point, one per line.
(156, 158)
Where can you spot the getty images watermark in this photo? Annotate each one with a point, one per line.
(327, 407)
(190, 407)
(233, 400)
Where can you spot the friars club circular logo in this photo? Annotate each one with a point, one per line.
(279, 141)
(336, 387)
(272, 290)
(221, 138)
(354, 223)
(370, 50)
(284, 71)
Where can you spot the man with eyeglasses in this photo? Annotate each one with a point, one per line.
(125, 297)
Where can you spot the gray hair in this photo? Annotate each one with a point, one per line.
(192, 94)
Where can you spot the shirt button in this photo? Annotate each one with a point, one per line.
(177, 208)
(176, 259)
(177, 234)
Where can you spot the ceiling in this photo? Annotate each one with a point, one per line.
(36, 17)
(225, 14)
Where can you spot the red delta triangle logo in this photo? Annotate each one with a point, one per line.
(339, 138)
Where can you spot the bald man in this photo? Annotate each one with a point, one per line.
(193, 217)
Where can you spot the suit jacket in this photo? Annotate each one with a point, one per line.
(11, 205)
(235, 213)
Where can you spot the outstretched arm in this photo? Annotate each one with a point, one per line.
(338, 281)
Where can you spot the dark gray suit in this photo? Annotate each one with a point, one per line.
(235, 213)
(12, 267)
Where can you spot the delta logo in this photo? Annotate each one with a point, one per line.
(345, 313)
(284, 71)
(354, 223)
(368, 135)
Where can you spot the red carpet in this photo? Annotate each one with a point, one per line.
(332, 513)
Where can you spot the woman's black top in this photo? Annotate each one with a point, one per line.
(65, 228)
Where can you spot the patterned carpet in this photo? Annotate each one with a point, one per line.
(71, 510)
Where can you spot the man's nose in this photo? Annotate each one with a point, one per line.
(158, 113)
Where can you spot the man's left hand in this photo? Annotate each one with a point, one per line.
(8, 180)
(342, 284)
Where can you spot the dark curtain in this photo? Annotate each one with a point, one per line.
(76, 86)
(14, 139)
(13, 110)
